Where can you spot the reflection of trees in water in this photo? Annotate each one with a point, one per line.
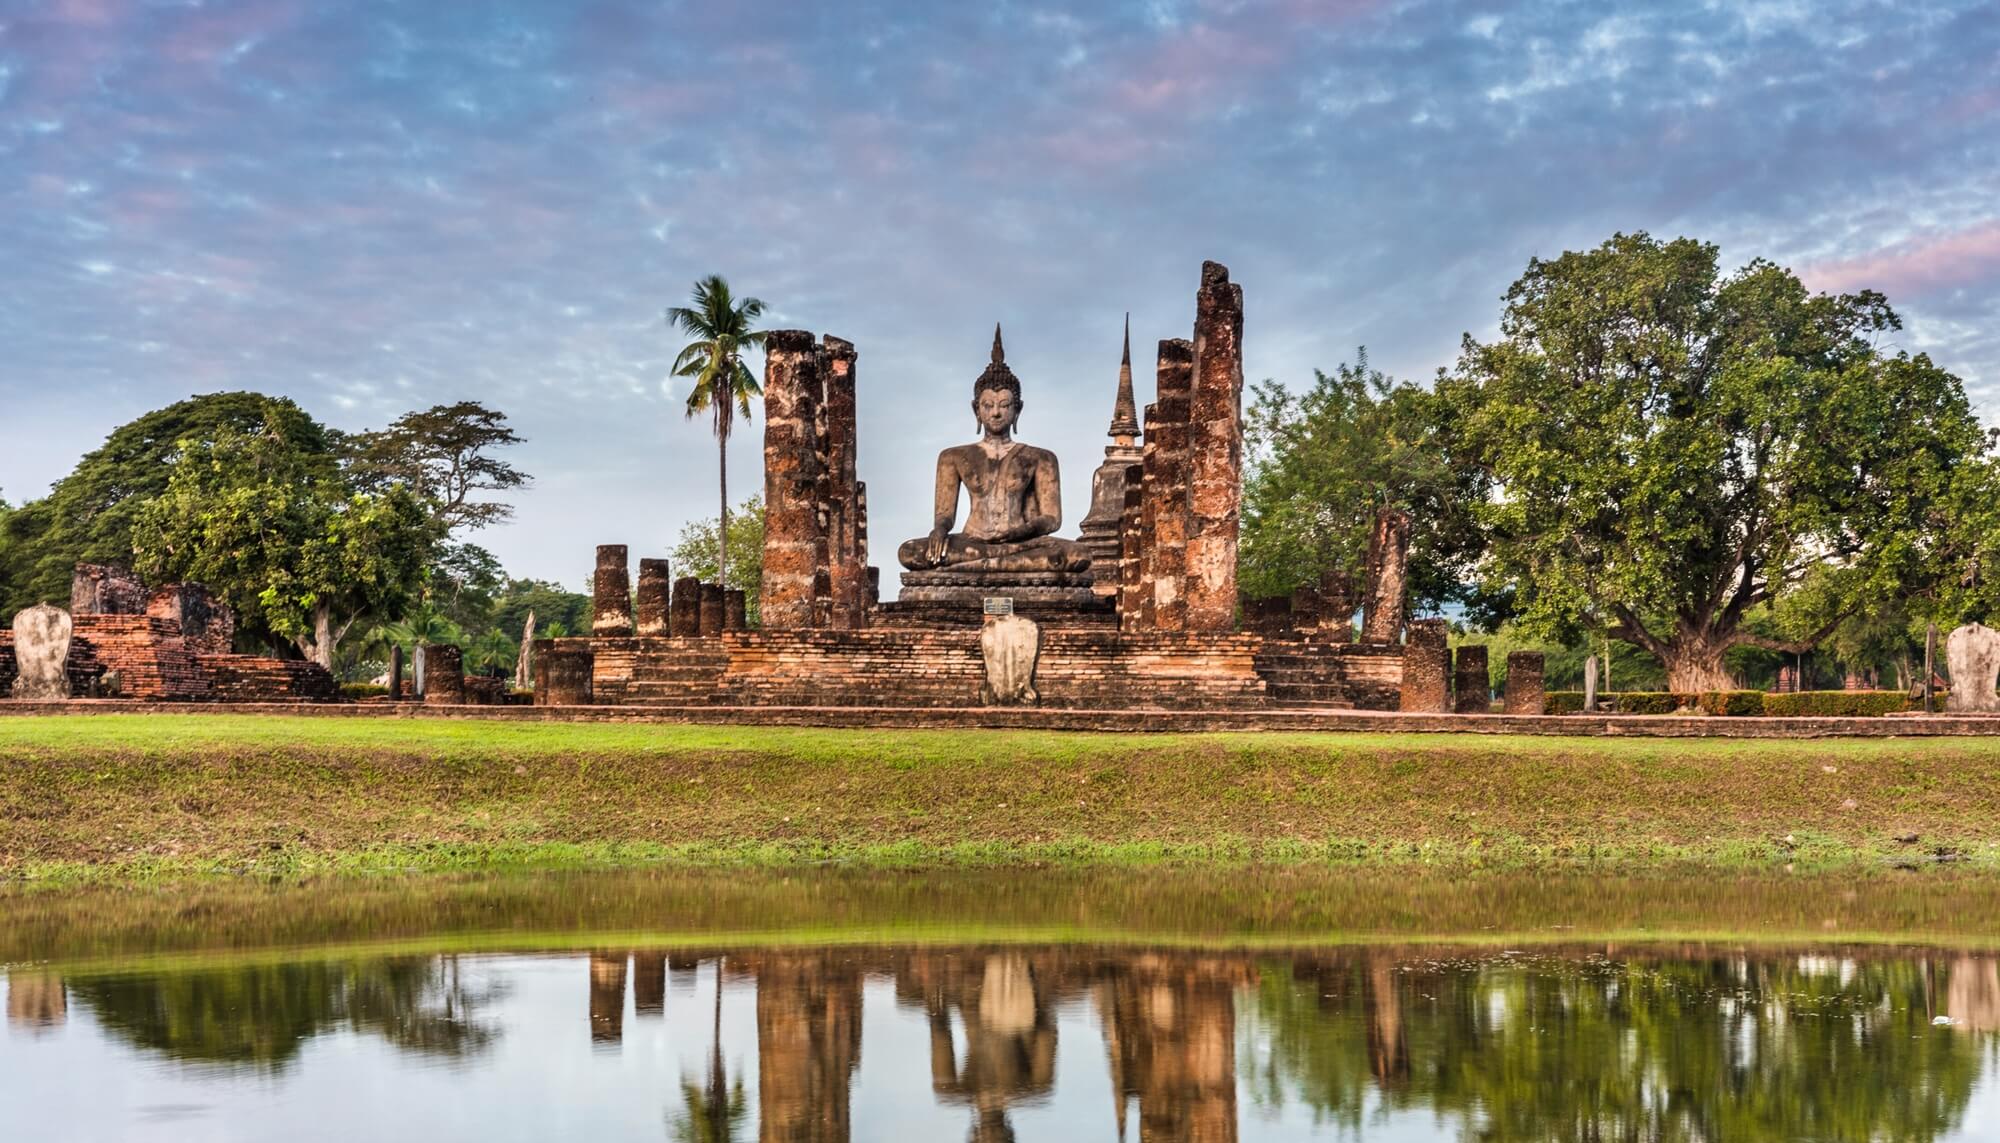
(261, 1014)
(1714, 1048)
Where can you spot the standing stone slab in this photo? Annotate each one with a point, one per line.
(795, 541)
(1471, 685)
(1010, 644)
(655, 596)
(444, 675)
(611, 593)
(1525, 693)
(1388, 577)
(41, 654)
(684, 619)
(1972, 653)
(1215, 452)
(1426, 666)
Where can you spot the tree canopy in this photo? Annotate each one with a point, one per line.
(445, 454)
(1323, 461)
(1674, 448)
(695, 553)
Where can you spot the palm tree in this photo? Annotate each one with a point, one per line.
(712, 1114)
(723, 385)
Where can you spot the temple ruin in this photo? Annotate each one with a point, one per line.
(1140, 611)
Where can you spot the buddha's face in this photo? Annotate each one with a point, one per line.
(997, 410)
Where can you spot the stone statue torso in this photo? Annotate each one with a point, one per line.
(1000, 486)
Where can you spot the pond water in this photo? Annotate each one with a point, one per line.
(837, 1006)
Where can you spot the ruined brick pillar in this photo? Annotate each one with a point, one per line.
(874, 586)
(684, 616)
(795, 543)
(611, 593)
(1524, 693)
(1132, 609)
(106, 589)
(563, 670)
(846, 573)
(1470, 683)
(1383, 612)
(1426, 667)
(607, 997)
(444, 674)
(1163, 525)
(396, 672)
(1215, 452)
(734, 605)
(708, 615)
(655, 597)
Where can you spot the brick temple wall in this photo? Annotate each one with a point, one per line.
(146, 652)
(253, 678)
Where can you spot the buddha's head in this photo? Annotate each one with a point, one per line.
(996, 395)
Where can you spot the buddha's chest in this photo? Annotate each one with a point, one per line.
(1008, 475)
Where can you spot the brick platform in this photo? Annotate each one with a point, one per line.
(1126, 721)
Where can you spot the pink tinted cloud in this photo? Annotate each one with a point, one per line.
(1919, 266)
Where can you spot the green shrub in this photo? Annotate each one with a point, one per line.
(362, 690)
(1732, 703)
(1837, 704)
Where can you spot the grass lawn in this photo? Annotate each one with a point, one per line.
(134, 796)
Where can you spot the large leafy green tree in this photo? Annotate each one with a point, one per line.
(723, 385)
(88, 515)
(283, 537)
(444, 453)
(1674, 448)
(1324, 461)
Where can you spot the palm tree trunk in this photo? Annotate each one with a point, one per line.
(722, 520)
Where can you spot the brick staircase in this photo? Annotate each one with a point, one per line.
(659, 671)
(1301, 674)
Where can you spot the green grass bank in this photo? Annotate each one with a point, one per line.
(130, 798)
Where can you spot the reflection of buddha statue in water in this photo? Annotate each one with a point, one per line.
(1014, 489)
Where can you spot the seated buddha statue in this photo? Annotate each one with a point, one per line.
(1014, 491)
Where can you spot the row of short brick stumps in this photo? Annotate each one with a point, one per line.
(1164, 627)
(173, 643)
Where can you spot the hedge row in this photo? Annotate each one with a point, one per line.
(1841, 704)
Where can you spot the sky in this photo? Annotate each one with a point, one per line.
(375, 206)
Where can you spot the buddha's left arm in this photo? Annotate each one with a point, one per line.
(1048, 496)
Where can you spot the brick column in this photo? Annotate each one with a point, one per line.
(1471, 685)
(1163, 523)
(1132, 609)
(684, 617)
(655, 597)
(563, 673)
(1524, 693)
(733, 606)
(396, 672)
(794, 541)
(1215, 452)
(1426, 665)
(708, 615)
(1383, 612)
(846, 578)
(610, 592)
(444, 673)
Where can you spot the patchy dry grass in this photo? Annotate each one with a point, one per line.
(136, 796)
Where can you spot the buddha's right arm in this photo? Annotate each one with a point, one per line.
(944, 502)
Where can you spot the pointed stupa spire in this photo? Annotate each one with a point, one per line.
(1124, 414)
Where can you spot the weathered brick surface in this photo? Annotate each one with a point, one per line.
(655, 596)
(444, 671)
(1215, 452)
(708, 617)
(679, 670)
(1471, 684)
(795, 541)
(1524, 692)
(1132, 609)
(105, 589)
(685, 620)
(942, 667)
(255, 679)
(847, 583)
(563, 669)
(207, 625)
(611, 594)
(1164, 477)
(1426, 683)
(146, 653)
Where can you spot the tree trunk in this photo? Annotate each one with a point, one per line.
(1694, 663)
(722, 520)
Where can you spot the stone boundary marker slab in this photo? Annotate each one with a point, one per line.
(41, 654)
(1126, 721)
